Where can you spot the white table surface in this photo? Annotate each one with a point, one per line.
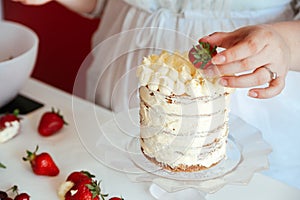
(70, 155)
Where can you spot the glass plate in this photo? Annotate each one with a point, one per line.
(108, 144)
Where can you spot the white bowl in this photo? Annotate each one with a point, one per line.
(18, 52)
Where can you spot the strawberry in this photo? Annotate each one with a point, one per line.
(80, 176)
(116, 198)
(200, 55)
(50, 123)
(80, 185)
(9, 126)
(85, 191)
(9, 117)
(41, 164)
(22, 196)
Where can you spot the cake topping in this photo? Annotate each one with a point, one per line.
(201, 54)
(173, 73)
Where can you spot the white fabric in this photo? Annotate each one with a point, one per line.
(111, 80)
(278, 119)
(190, 21)
(185, 5)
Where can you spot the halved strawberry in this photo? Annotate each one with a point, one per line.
(201, 54)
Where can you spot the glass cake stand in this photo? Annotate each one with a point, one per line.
(228, 164)
(116, 145)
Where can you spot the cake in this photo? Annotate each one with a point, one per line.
(183, 116)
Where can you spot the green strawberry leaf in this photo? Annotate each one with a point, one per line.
(201, 54)
(2, 166)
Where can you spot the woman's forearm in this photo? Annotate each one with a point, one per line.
(79, 6)
(290, 32)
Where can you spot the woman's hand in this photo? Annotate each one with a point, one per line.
(254, 55)
(33, 2)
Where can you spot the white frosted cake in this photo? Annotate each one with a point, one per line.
(183, 116)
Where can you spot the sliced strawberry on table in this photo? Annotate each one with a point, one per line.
(201, 54)
(42, 164)
(9, 126)
(9, 117)
(51, 122)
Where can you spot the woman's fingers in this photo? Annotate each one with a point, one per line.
(260, 76)
(253, 56)
(275, 87)
(240, 51)
(239, 44)
(246, 64)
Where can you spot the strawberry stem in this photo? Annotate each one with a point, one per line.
(58, 113)
(88, 174)
(2, 165)
(31, 155)
(95, 189)
(16, 112)
(203, 53)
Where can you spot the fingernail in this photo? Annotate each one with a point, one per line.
(218, 59)
(223, 82)
(252, 94)
(203, 38)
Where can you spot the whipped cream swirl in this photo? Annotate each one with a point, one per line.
(175, 74)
